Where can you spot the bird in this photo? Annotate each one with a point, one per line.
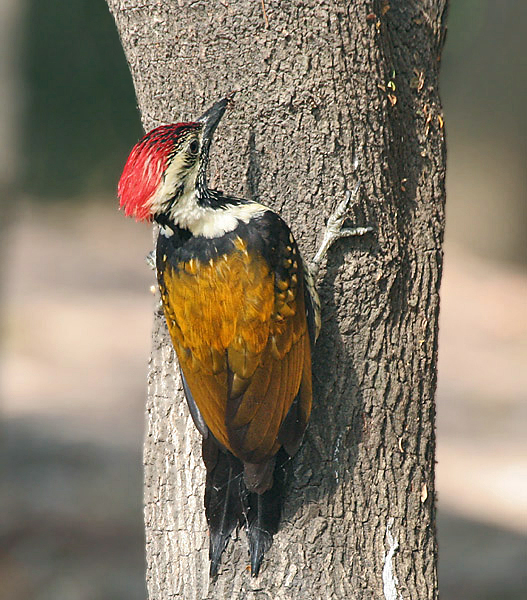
(243, 315)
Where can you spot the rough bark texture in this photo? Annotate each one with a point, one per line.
(321, 83)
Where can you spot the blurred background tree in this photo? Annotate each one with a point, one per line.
(484, 85)
(80, 113)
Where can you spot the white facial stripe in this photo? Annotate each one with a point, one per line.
(186, 212)
(177, 172)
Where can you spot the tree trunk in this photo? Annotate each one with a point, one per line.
(11, 96)
(322, 84)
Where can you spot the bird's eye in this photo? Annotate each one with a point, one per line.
(193, 147)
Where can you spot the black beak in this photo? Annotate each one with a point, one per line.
(212, 117)
(210, 120)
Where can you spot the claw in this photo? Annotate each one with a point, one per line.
(349, 231)
(334, 230)
(343, 205)
(150, 259)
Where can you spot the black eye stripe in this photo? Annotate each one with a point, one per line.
(190, 150)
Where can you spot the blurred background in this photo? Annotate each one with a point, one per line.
(76, 308)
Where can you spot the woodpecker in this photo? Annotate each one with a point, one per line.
(243, 315)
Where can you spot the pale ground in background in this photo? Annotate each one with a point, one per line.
(76, 329)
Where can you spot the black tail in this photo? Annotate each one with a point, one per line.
(229, 503)
(225, 498)
(264, 514)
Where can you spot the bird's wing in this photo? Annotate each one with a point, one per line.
(239, 328)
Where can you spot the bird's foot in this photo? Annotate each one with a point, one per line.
(335, 231)
(150, 259)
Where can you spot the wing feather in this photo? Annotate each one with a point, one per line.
(240, 331)
(258, 443)
(241, 413)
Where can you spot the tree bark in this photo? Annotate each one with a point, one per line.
(11, 96)
(322, 84)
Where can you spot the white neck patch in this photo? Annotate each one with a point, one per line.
(207, 221)
(188, 214)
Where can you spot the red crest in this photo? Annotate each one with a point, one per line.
(143, 171)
